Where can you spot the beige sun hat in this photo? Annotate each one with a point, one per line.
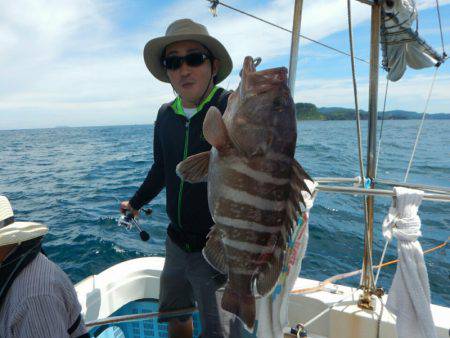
(12, 232)
(182, 30)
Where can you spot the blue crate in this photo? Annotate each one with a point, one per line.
(148, 328)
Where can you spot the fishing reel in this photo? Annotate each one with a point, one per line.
(128, 221)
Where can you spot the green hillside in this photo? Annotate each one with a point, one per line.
(309, 111)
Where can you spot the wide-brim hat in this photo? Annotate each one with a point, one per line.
(183, 30)
(12, 232)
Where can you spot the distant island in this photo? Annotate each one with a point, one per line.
(308, 111)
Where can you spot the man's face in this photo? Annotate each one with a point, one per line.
(190, 82)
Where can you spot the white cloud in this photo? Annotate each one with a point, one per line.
(72, 63)
(65, 63)
(410, 93)
(321, 18)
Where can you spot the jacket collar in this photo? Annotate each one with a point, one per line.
(178, 107)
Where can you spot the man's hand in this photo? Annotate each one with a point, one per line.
(125, 206)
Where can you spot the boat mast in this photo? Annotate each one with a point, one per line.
(294, 44)
(367, 282)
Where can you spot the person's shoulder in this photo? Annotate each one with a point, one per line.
(222, 99)
(41, 286)
(164, 111)
(42, 277)
(165, 107)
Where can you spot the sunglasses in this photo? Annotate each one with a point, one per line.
(192, 60)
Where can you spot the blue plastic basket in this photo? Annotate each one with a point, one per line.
(147, 328)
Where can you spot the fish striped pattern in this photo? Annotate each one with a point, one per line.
(251, 210)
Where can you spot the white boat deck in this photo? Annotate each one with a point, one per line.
(100, 295)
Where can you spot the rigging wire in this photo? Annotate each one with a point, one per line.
(214, 4)
(444, 55)
(412, 155)
(381, 262)
(376, 170)
(381, 128)
(355, 92)
(358, 118)
(421, 124)
(312, 320)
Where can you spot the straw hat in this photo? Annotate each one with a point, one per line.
(182, 30)
(12, 232)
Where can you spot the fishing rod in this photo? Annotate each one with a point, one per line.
(140, 316)
(128, 221)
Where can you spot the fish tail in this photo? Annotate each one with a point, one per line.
(243, 306)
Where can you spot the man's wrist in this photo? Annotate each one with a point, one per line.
(133, 203)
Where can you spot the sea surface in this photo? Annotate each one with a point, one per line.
(71, 178)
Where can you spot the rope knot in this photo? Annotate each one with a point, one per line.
(402, 221)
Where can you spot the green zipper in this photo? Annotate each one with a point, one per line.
(180, 193)
(178, 109)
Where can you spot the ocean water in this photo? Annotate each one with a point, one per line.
(70, 178)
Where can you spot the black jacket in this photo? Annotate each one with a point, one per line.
(176, 138)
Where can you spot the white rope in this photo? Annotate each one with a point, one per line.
(421, 124)
(409, 294)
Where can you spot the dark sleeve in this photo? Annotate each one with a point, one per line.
(154, 182)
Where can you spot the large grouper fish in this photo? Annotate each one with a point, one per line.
(255, 186)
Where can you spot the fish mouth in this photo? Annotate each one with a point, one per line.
(258, 82)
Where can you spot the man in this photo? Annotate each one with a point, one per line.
(193, 62)
(37, 299)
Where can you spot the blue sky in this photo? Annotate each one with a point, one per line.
(79, 63)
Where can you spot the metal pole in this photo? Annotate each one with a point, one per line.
(439, 190)
(367, 283)
(376, 192)
(294, 44)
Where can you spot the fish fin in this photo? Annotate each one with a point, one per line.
(301, 176)
(214, 129)
(243, 306)
(194, 169)
(270, 272)
(300, 187)
(214, 251)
